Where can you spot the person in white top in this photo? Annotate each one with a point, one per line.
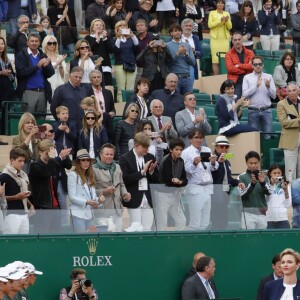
(199, 163)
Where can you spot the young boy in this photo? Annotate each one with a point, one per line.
(173, 175)
(64, 130)
(254, 186)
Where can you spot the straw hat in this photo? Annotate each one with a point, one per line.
(83, 154)
(221, 140)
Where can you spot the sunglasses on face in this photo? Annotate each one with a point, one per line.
(134, 111)
(51, 131)
(90, 118)
(223, 146)
(258, 65)
(84, 47)
(52, 43)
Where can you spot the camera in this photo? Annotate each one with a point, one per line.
(85, 283)
(279, 180)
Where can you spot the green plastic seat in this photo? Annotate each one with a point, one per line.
(276, 126)
(279, 53)
(270, 64)
(222, 65)
(276, 156)
(126, 95)
(262, 52)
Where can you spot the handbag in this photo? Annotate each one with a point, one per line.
(128, 67)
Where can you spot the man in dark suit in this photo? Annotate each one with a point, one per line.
(277, 274)
(139, 169)
(200, 286)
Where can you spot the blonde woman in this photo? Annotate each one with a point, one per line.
(125, 48)
(92, 135)
(26, 139)
(50, 48)
(219, 23)
(84, 58)
(101, 45)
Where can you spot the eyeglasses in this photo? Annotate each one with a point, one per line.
(52, 43)
(223, 146)
(192, 98)
(258, 65)
(157, 106)
(24, 22)
(84, 47)
(135, 111)
(90, 118)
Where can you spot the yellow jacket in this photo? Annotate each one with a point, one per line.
(214, 22)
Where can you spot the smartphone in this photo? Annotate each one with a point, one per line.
(157, 42)
(255, 173)
(155, 134)
(32, 25)
(40, 135)
(205, 156)
(125, 31)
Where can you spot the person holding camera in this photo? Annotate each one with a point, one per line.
(279, 200)
(80, 288)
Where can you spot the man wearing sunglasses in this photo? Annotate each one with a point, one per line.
(259, 88)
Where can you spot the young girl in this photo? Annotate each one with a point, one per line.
(92, 135)
(45, 22)
(279, 200)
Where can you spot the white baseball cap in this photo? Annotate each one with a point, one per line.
(3, 273)
(31, 269)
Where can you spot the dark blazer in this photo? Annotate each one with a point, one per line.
(274, 289)
(263, 281)
(14, 8)
(193, 289)
(268, 22)
(25, 69)
(239, 24)
(131, 177)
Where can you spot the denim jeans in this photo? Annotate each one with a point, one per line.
(185, 85)
(278, 224)
(261, 120)
(81, 225)
(238, 90)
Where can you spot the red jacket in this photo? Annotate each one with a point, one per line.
(232, 59)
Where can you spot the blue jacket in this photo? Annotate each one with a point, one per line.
(224, 116)
(268, 22)
(198, 54)
(274, 289)
(14, 8)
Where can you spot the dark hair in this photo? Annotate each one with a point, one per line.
(298, 2)
(257, 57)
(4, 53)
(141, 124)
(202, 263)
(194, 132)
(227, 83)
(57, 4)
(142, 80)
(276, 258)
(186, 94)
(75, 272)
(241, 13)
(285, 55)
(107, 145)
(264, 1)
(175, 26)
(252, 154)
(17, 152)
(223, 1)
(273, 167)
(176, 142)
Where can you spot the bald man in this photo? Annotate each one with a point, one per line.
(192, 271)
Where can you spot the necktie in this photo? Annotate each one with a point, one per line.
(159, 123)
(209, 291)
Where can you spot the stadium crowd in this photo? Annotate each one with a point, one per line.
(161, 139)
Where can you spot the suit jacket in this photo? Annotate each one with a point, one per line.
(168, 134)
(288, 118)
(185, 125)
(193, 289)
(274, 289)
(263, 281)
(131, 177)
(214, 22)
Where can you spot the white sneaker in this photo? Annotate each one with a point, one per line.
(135, 226)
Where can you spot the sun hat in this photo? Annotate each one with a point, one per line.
(221, 140)
(83, 154)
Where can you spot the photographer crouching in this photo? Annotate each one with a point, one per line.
(81, 288)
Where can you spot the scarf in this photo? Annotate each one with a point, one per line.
(102, 166)
(21, 179)
(230, 101)
(291, 74)
(192, 10)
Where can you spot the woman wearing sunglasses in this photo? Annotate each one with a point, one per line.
(92, 135)
(125, 129)
(50, 48)
(84, 58)
(229, 111)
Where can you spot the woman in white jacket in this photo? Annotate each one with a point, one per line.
(82, 193)
(279, 200)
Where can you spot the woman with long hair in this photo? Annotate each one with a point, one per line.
(7, 78)
(84, 58)
(50, 48)
(288, 287)
(26, 138)
(284, 73)
(116, 12)
(219, 23)
(126, 46)
(82, 193)
(245, 23)
(101, 45)
(125, 129)
(92, 135)
(62, 18)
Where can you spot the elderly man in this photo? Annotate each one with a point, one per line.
(200, 286)
(238, 62)
(109, 183)
(289, 118)
(70, 95)
(162, 124)
(33, 68)
(190, 118)
(259, 88)
(169, 96)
